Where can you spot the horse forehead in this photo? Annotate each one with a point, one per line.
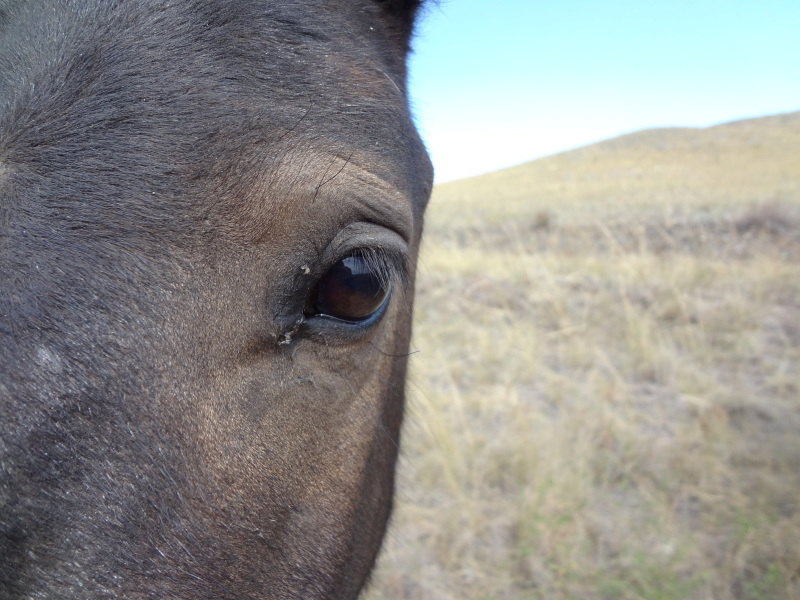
(311, 103)
(371, 79)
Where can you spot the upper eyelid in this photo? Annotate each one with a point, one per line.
(384, 204)
(376, 241)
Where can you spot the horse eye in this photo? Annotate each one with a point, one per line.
(352, 290)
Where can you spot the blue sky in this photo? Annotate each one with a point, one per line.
(495, 84)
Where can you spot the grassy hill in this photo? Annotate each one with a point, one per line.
(605, 398)
(755, 159)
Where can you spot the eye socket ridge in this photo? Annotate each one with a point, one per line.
(356, 288)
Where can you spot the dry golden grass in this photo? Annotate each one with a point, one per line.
(606, 399)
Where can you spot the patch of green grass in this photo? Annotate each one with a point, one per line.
(646, 579)
(768, 585)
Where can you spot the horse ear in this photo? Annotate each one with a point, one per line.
(400, 15)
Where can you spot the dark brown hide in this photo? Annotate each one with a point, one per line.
(175, 177)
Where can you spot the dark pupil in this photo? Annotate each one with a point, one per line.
(351, 290)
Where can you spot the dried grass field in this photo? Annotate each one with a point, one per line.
(605, 396)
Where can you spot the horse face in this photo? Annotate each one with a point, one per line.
(209, 221)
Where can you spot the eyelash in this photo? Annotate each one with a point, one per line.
(390, 267)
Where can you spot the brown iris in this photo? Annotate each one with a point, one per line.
(352, 290)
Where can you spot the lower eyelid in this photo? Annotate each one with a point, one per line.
(350, 326)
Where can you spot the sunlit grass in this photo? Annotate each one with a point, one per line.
(605, 404)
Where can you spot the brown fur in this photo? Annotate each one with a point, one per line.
(175, 176)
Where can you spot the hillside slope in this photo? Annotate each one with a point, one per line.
(754, 160)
